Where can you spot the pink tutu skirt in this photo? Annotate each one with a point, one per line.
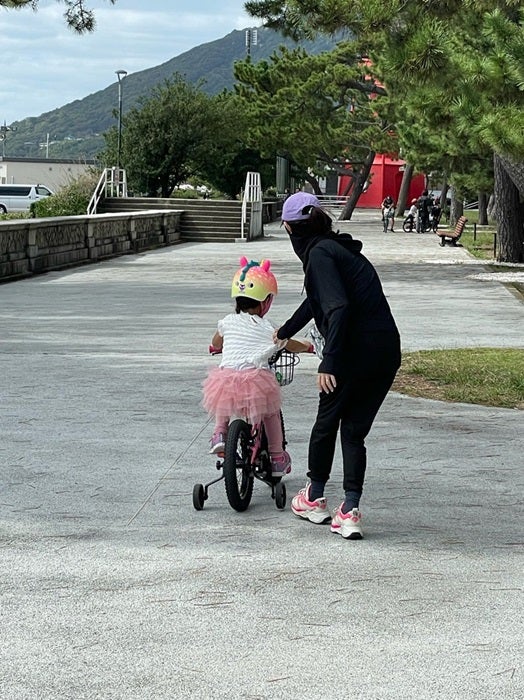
(250, 393)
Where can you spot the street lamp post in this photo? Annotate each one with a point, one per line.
(121, 74)
(3, 135)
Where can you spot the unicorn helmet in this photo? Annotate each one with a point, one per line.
(254, 280)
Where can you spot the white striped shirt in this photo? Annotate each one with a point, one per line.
(248, 341)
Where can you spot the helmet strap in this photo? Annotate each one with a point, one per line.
(266, 305)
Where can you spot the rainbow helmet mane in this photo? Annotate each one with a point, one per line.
(254, 280)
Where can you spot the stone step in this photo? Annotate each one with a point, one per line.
(201, 220)
(136, 203)
(202, 238)
(189, 217)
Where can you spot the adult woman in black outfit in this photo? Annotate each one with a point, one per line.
(361, 356)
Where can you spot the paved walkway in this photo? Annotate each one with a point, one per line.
(113, 586)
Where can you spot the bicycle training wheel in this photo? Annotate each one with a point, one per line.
(238, 474)
(280, 495)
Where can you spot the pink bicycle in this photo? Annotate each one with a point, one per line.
(246, 455)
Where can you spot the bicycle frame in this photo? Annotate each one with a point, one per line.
(257, 430)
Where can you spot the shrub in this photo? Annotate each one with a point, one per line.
(13, 215)
(70, 200)
(186, 194)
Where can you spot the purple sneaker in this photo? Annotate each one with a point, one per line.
(281, 465)
(218, 444)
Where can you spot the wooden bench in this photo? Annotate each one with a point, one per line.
(452, 236)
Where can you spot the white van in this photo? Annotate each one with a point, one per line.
(20, 197)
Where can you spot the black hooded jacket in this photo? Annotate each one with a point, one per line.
(344, 297)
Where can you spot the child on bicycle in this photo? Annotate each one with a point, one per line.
(244, 384)
(411, 218)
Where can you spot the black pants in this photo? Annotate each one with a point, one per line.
(352, 407)
(423, 221)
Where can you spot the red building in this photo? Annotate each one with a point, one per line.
(385, 178)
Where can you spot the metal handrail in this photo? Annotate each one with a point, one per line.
(112, 183)
(327, 200)
(252, 193)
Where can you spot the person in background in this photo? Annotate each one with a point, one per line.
(424, 203)
(388, 212)
(412, 214)
(436, 213)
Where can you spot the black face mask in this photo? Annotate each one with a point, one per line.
(306, 234)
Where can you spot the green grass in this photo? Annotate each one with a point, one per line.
(485, 376)
(482, 246)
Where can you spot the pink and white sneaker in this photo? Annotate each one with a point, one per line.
(281, 465)
(315, 511)
(349, 525)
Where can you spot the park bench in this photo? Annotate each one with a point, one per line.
(452, 236)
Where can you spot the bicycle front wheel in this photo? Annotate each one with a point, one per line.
(238, 473)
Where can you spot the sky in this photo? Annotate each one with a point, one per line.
(46, 65)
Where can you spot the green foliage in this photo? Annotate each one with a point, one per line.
(186, 194)
(70, 200)
(181, 134)
(229, 157)
(313, 109)
(13, 215)
(454, 73)
(78, 16)
(164, 137)
(439, 62)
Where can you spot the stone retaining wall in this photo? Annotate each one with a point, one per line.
(29, 246)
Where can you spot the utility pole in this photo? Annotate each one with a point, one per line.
(251, 40)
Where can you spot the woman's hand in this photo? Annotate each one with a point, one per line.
(280, 343)
(326, 382)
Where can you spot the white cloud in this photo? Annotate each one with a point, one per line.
(50, 66)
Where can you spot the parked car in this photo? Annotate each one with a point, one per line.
(20, 197)
(436, 194)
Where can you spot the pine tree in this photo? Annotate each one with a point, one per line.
(77, 14)
(454, 72)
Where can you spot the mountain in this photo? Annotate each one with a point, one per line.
(75, 130)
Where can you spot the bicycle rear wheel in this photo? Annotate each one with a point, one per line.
(238, 473)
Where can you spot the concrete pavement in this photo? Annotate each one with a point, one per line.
(113, 586)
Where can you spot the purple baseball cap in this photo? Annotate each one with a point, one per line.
(296, 203)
